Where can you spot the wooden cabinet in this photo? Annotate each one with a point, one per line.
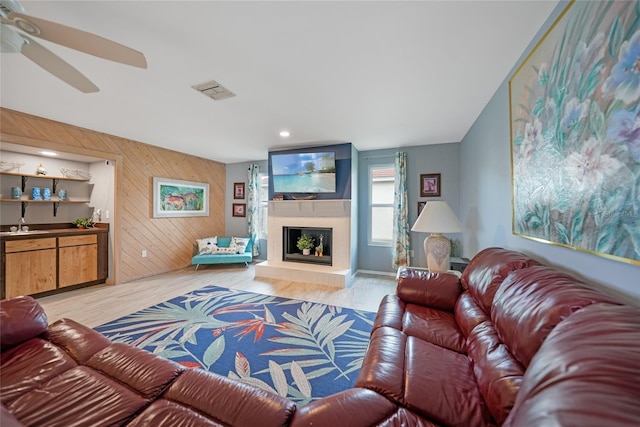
(30, 266)
(52, 262)
(78, 259)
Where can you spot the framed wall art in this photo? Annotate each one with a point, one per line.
(575, 133)
(239, 209)
(238, 190)
(421, 206)
(176, 198)
(430, 185)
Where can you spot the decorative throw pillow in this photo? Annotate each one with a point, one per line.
(207, 245)
(222, 251)
(240, 244)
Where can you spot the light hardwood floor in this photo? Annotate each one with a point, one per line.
(96, 305)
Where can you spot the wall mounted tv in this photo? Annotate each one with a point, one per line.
(312, 172)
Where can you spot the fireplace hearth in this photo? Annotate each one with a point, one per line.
(291, 253)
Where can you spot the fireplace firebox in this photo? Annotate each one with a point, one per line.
(319, 255)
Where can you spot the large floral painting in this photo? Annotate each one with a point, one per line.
(575, 132)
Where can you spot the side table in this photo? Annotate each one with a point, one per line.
(459, 264)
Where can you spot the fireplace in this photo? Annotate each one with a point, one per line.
(335, 267)
(291, 253)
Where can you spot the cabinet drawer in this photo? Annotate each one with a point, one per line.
(87, 239)
(29, 244)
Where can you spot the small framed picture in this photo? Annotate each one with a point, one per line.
(430, 185)
(421, 206)
(238, 190)
(239, 209)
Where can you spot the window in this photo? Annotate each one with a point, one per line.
(381, 192)
(263, 207)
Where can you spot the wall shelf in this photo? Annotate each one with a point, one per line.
(55, 180)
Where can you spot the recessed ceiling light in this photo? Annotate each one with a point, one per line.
(48, 153)
(284, 134)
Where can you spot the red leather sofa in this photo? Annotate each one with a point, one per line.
(511, 343)
(68, 375)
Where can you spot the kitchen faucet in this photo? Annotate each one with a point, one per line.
(21, 222)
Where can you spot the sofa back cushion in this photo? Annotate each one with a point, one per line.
(22, 318)
(532, 301)
(585, 373)
(488, 269)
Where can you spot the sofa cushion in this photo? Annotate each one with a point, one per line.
(585, 373)
(468, 313)
(441, 386)
(488, 269)
(50, 360)
(79, 341)
(442, 291)
(207, 245)
(142, 371)
(497, 372)
(240, 244)
(28, 320)
(80, 394)
(531, 302)
(435, 326)
(230, 402)
(432, 381)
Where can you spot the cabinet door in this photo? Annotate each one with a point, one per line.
(78, 264)
(30, 272)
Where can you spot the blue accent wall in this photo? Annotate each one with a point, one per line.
(437, 158)
(485, 200)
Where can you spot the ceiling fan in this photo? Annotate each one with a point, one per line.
(16, 27)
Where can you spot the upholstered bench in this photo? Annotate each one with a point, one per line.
(223, 250)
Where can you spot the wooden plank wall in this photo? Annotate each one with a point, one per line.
(169, 241)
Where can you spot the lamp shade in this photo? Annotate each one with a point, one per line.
(437, 217)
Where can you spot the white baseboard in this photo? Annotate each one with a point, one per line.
(378, 273)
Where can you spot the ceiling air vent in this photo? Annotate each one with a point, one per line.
(214, 90)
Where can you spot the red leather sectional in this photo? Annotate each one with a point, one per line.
(511, 343)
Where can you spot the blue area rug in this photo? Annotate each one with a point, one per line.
(297, 349)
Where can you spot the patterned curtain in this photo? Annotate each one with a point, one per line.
(401, 244)
(253, 203)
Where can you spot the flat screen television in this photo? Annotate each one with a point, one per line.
(304, 172)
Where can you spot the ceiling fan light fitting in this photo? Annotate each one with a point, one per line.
(26, 26)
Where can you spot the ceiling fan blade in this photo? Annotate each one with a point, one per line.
(78, 39)
(56, 66)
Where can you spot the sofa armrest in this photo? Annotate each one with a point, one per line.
(352, 407)
(22, 318)
(437, 290)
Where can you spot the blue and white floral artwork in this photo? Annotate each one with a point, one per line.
(575, 132)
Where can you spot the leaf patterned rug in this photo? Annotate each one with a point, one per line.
(297, 349)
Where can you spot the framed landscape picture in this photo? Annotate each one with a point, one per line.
(176, 198)
(575, 133)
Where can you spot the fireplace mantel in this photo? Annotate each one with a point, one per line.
(310, 208)
(333, 214)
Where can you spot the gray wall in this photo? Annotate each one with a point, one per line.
(424, 159)
(486, 199)
(237, 226)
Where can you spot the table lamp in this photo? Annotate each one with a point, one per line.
(437, 218)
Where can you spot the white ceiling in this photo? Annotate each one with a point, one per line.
(378, 74)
